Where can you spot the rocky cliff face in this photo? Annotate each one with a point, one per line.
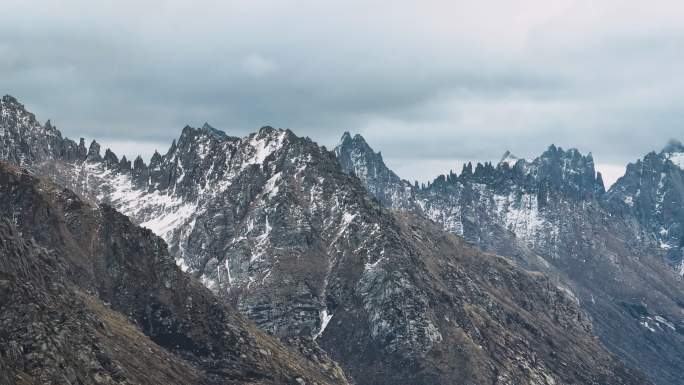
(551, 214)
(54, 333)
(88, 297)
(652, 191)
(273, 224)
(355, 155)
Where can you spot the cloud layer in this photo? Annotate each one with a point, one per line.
(429, 83)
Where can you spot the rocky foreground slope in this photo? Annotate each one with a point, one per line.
(86, 297)
(273, 224)
(552, 214)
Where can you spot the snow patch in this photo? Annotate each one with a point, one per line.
(181, 263)
(270, 188)
(520, 215)
(174, 215)
(262, 148)
(325, 320)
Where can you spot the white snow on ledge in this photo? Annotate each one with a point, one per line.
(173, 216)
(325, 320)
(161, 212)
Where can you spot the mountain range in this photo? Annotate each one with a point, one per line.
(617, 252)
(336, 268)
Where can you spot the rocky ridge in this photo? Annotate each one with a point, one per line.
(550, 214)
(273, 224)
(652, 191)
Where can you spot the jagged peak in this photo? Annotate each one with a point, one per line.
(139, 163)
(93, 152)
(600, 186)
(10, 103)
(554, 153)
(206, 129)
(110, 157)
(156, 157)
(265, 130)
(357, 139)
(360, 139)
(125, 164)
(271, 133)
(94, 146)
(357, 142)
(467, 169)
(52, 130)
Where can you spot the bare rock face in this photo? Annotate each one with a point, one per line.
(354, 154)
(88, 297)
(275, 226)
(652, 191)
(553, 215)
(54, 333)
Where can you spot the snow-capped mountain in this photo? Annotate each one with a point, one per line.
(551, 214)
(652, 191)
(272, 223)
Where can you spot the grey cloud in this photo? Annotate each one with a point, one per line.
(435, 81)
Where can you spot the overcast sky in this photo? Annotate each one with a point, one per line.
(428, 83)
